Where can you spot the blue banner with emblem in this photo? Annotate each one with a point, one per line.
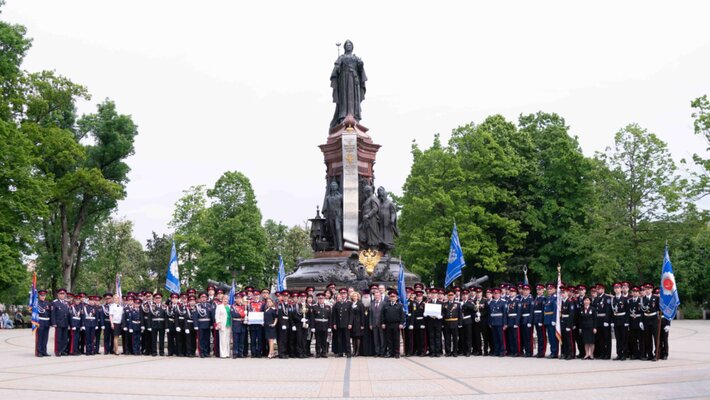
(402, 289)
(232, 293)
(669, 291)
(456, 261)
(281, 277)
(172, 281)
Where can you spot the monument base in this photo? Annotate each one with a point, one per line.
(319, 272)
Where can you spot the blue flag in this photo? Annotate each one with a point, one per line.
(525, 275)
(281, 277)
(34, 303)
(669, 291)
(118, 288)
(402, 289)
(172, 281)
(456, 261)
(232, 292)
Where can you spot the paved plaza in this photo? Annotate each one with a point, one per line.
(686, 374)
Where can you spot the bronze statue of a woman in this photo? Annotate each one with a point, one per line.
(348, 82)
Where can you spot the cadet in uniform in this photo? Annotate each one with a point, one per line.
(172, 329)
(434, 327)
(283, 313)
(321, 321)
(76, 316)
(649, 306)
(602, 304)
(620, 322)
(342, 323)
(147, 333)
(567, 320)
(44, 311)
(538, 320)
(134, 323)
(392, 321)
(526, 322)
(239, 329)
(513, 323)
(497, 320)
(90, 325)
(550, 319)
(451, 312)
(468, 313)
(417, 310)
(202, 325)
(191, 319)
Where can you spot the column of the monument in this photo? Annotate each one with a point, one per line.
(350, 191)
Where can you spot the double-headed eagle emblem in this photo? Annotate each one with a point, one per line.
(369, 258)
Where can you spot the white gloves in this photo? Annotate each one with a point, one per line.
(197, 329)
(411, 327)
(150, 329)
(313, 330)
(477, 319)
(167, 330)
(83, 328)
(142, 328)
(329, 330)
(130, 331)
(125, 329)
(667, 328)
(606, 324)
(515, 326)
(567, 329)
(187, 331)
(539, 324)
(612, 324)
(626, 324)
(103, 327)
(293, 328)
(73, 329)
(554, 323)
(178, 329)
(641, 325)
(529, 325)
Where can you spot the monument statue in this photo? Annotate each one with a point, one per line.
(348, 82)
(333, 213)
(388, 220)
(370, 224)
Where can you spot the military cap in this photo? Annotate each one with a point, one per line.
(62, 290)
(41, 292)
(191, 297)
(450, 292)
(392, 293)
(174, 296)
(513, 289)
(319, 295)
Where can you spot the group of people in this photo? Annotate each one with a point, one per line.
(506, 320)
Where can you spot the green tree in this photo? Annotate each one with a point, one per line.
(234, 234)
(646, 190)
(276, 243)
(112, 250)
(297, 245)
(13, 47)
(701, 124)
(158, 255)
(188, 218)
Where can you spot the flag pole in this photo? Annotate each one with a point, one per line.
(660, 318)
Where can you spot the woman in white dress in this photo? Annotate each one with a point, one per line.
(223, 318)
(116, 318)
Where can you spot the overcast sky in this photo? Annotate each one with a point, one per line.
(223, 85)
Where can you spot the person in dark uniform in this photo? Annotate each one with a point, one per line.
(581, 294)
(417, 311)
(180, 312)
(191, 320)
(106, 323)
(650, 308)
(297, 316)
(468, 314)
(76, 318)
(451, 312)
(434, 327)
(342, 323)
(256, 331)
(602, 304)
(512, 337)
(147, 332)
(587, 327)
(321, 323)
(283, 326)
(158, 324)
(538, 320)
(497, 320)
(550, 319)
(239, 328)
(134, 323)
(620, 322)
(271, 318)
(392, 321)
(635, 310)
(90, 325)
(44, 313)
(526, 322)
(171, 324)
(567, 320)
(486, 336)
(202, 325)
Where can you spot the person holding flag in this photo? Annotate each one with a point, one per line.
(669, 302)
(41, 313)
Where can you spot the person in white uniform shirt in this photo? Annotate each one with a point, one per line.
(223, 318)
(116, 317)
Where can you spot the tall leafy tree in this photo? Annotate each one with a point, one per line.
(112, 250)
(188, 218)
(157, 257)
(233, 233)
(297, 245)
(646, 189)
(14, 45)
(701, 124)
